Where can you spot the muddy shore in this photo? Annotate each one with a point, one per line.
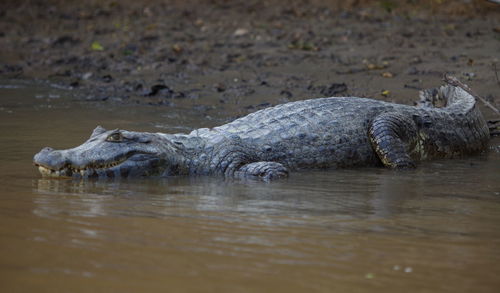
(233, 57)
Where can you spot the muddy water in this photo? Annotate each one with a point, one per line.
(435, 229)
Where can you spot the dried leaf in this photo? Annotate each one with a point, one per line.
(96, 46)
(177, 48)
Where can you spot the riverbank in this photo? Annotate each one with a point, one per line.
(238, 56)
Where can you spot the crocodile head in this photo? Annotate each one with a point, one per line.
(107, 154)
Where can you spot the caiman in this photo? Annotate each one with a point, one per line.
(318, 133)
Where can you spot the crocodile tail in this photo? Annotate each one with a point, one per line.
(447, 96)
(454, 96)
(431, 98)
(458, 100)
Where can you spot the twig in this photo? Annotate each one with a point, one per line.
(496, 73)
(455, 82)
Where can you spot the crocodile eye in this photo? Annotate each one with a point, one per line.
(115, 137)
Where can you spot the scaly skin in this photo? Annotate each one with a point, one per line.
(318, 133)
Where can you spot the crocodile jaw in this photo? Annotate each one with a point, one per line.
(62, 173)
(74, 171)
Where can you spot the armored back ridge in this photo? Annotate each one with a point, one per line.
(267, 144)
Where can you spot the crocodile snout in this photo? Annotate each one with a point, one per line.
(50, 158)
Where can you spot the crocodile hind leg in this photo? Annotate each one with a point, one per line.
(392, 136)
(262, 170)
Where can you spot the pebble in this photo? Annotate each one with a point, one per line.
(240, 32)
(87, 75)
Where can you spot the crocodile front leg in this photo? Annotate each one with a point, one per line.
(262, 170)
(235, 158)
(392, 136)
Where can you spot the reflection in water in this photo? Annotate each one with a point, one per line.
(344, 193)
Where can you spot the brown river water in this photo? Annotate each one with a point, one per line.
(434, 229)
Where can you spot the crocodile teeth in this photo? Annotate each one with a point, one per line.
(44, 171)
(69, 169)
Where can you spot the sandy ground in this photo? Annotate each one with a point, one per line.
(233, 57)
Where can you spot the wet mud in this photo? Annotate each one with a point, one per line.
(234, 57)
